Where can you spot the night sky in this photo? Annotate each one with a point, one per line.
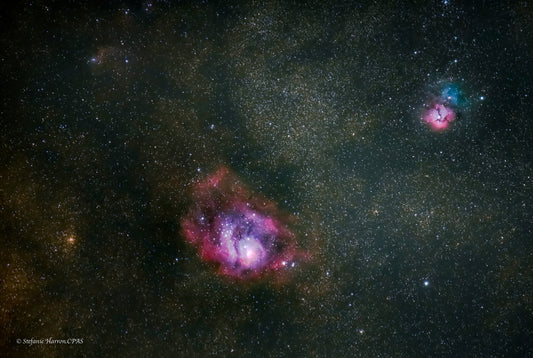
(391, 143)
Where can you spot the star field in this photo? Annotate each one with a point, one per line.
(391, 143)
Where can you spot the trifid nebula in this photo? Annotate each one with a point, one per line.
(266, 179)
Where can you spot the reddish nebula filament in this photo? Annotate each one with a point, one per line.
(241, 232)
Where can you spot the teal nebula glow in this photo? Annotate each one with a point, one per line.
(452, 94)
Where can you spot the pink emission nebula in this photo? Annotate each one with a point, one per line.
(439, 117)
(240, 231)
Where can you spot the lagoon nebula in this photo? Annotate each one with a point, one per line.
(241, 232)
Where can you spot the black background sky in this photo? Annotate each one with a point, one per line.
(420, 242)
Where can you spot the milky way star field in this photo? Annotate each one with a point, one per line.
(266, 179)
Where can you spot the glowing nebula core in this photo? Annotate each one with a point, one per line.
(441, 112)
(439, 116)
(241, 232)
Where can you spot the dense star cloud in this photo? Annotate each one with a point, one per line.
(265, 180)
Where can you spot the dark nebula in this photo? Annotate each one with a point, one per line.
(242, 232)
